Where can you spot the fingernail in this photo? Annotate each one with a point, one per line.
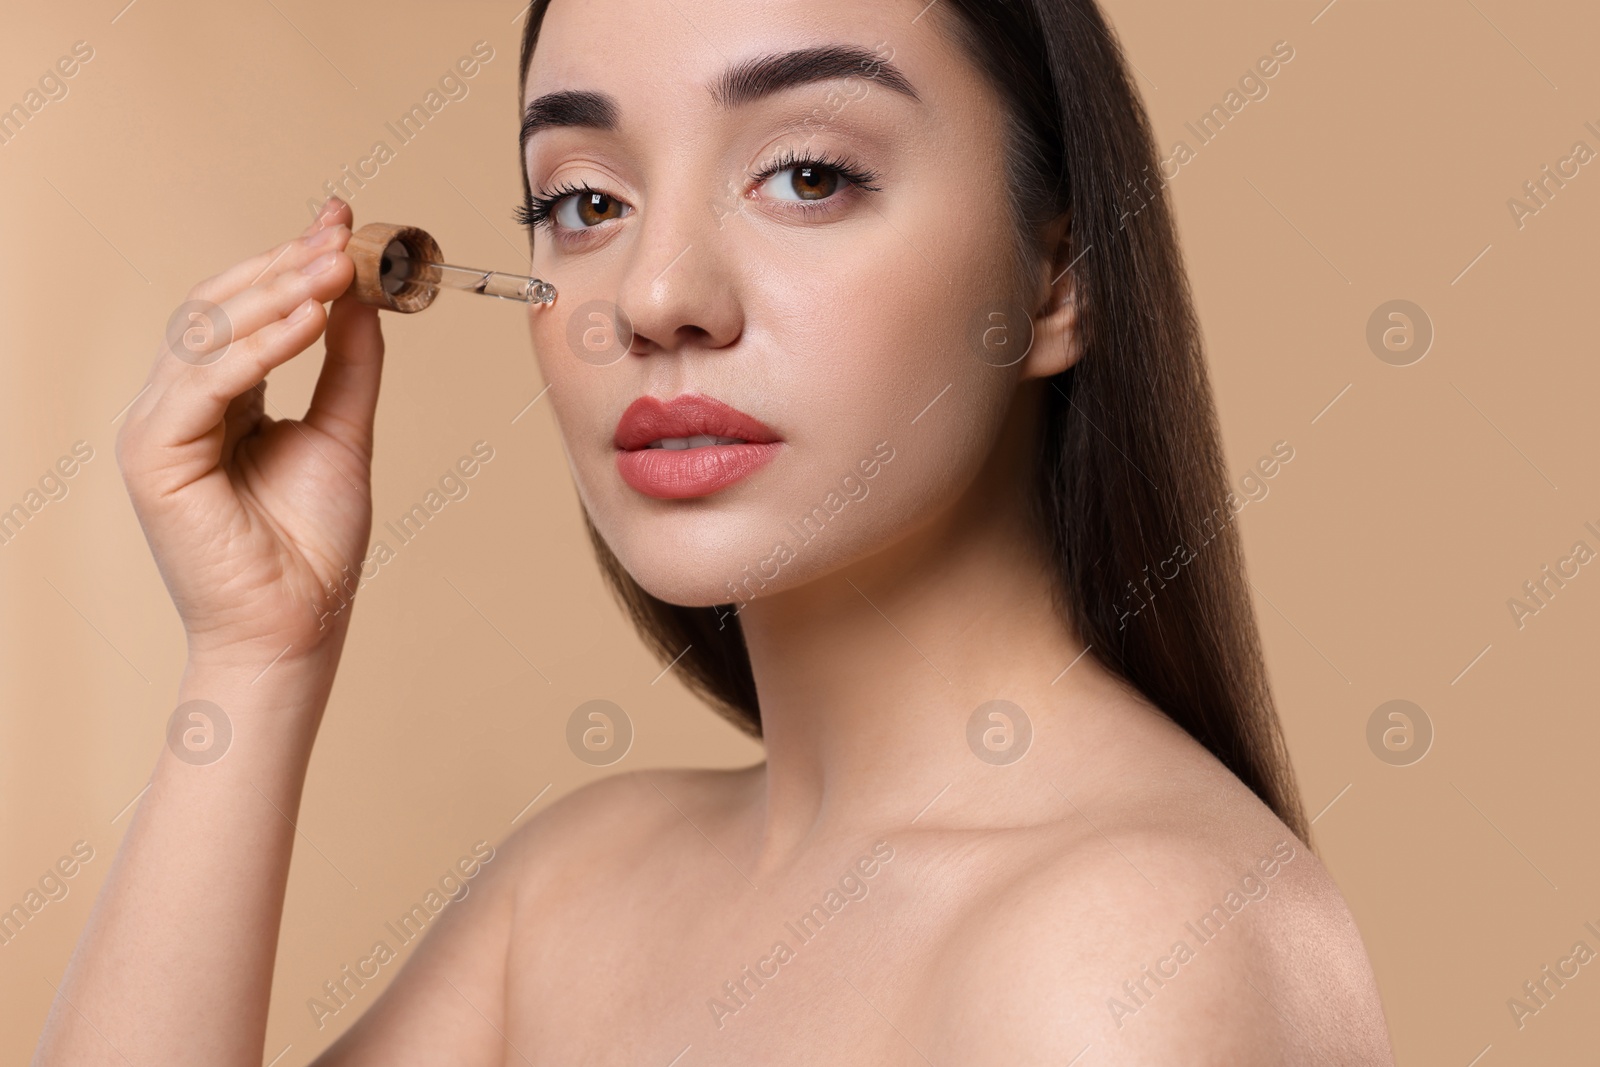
(329, 207)
(303, 312)
(322, 237)
(321, 264)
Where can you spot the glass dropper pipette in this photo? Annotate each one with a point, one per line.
(399, 270)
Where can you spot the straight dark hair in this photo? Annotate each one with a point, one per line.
(1131, 473)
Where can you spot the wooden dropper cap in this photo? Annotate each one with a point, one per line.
(392, 262)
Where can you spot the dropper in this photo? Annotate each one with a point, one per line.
(396, 268)
(401, 268)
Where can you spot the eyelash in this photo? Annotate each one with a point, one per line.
(858, 177)
(540, 206)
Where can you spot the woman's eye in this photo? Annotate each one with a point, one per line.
(587, 209)
(804, 181)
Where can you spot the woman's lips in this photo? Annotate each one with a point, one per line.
(675, 474)
(679, 473)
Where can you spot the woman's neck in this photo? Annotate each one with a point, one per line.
(867, 677)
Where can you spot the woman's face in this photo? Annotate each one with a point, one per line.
(875, 332)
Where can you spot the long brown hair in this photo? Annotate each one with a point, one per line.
(1131, 472)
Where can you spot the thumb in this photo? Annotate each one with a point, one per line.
(346, 398)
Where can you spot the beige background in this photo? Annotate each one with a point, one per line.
(1379, 167)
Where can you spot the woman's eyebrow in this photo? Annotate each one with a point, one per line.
(569, 107)
(742, 83)
(752, 79)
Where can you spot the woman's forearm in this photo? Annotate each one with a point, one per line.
(175, 963)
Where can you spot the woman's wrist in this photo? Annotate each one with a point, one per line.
(309, 650)
(273, 702)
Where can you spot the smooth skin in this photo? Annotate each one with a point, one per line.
(1008, 910)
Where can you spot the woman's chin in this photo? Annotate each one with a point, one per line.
(686, 587)
(699, 572)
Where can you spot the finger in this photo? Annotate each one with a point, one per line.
(290, 255)
(333, 212)
(214, 355)
(243, 417)
(163, 414)
(194, 403)
(323, 272)
(210, 333)
(195, 395)
(346, 398)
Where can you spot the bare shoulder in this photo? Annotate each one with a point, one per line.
(556, 853)
(1205, 932)
(607, 823)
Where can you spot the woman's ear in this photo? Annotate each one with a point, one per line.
(1056, 343)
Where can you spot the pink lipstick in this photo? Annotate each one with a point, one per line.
(689, 446)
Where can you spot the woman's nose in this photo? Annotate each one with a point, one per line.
(681, 286)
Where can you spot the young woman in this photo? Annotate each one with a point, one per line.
(897, 442)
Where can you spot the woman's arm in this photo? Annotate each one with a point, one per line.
(255, 525)
(175, 963)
